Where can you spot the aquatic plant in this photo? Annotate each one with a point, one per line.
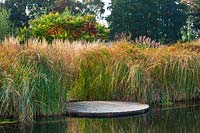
(36, 79)
(33, 80)
(125, 72)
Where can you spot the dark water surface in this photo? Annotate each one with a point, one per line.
(177, 119)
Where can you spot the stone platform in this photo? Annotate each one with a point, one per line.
(105, 109)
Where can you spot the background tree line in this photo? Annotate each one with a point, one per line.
(21, 11)
(165, 21)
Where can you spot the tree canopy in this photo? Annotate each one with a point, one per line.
(64, 26)
(165, 21)
(24, 10)
(158, 19)
(5, 24)
(94, 7)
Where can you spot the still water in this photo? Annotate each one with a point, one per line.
(176, 119)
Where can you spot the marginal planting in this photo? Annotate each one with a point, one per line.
(34, 80)
(124, 71)
(37, 79)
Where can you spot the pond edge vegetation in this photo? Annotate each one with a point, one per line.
(37, 78)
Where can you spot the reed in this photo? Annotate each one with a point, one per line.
(124, 71)
(36, 79)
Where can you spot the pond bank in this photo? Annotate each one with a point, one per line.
(36, 79)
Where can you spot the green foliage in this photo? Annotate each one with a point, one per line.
(37, 79)
(94, 7)
(7, 121)
(65, 26)
(160, 20)
(100, 78)
(32, 82)
(6, 26)
(126, 72)
(24, 10)
(188, 32)
(194, 11)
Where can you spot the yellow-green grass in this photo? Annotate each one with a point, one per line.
(33, 79)
(7, 121)
(36, 79)
(122, 71)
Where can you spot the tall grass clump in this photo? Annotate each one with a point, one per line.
(124, 71)
(34, 80)
(37, 78)
(109, 73)
(174, 75)
(100, 77)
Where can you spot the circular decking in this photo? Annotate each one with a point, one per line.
(105, 109)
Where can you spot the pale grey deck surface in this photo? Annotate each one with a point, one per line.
(105, 108)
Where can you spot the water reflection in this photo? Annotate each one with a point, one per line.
(157, 120)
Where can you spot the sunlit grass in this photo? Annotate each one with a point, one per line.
(123, 71)
(36, 79)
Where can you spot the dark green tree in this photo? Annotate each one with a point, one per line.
(17, 9)
(23, 10)
(195, 14)
(171, 18)
(159, 19)
(95, 7)
(6, 26)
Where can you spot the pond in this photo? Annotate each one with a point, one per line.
(173, 119)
